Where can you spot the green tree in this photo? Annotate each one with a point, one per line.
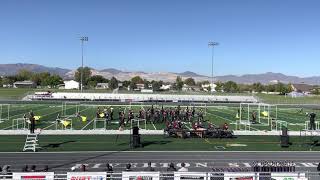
(179, 83)
(53, 81)
(190, 82)
(134, 81)
(230, 87)
(219, 86)
(40, 78)
(94, 80)
(146, 83)
(126, 83)
(9, 80)
(270, 88)
(137, 80)
(258, 87)
(156, 85)
(200, 83)
(245, 87)
(24, 74)
(284, 88)
(85, 77)
(113, 83)
(133, 85)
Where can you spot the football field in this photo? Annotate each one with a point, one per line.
(82, 116)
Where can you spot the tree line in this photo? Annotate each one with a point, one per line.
(90, 81)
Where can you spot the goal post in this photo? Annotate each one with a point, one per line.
(263, 113)
(140, 123)
(20, 123)
(70, 109)
(138, 104)
(4, 112)
(200, 106)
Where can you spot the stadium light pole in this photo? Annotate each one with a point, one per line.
(212, 44)
(82, 39)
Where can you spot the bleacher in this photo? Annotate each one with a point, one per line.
(144, 97)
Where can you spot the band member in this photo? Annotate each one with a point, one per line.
(130, 116)
(141, 113)
(152, 110)
(312, 121)
(193, 111)
(111, 114)
(98, 113)
(32, 122)
(226, 127)
(254, 117)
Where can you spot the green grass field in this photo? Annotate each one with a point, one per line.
(156, 143)
(218, 114)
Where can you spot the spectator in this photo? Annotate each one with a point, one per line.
(83, 168)
(109, 168)
(183, 168)
(149, 168)
(318, 168)
(46, 168)
(33, 168)
(6, 171)
(128, 167)
(25, 168)
(171, 167)
(73, 169)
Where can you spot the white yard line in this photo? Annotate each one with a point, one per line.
(154, 126)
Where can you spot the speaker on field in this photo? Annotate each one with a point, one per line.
(135, 130)
(136, 141)
(284, 141)
(284, 131)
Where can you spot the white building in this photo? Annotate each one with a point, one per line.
(102, 86)
(165, 87)
(71, 84)
(206, 86)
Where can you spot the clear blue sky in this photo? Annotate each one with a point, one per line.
(255, 36)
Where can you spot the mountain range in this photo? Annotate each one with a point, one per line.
(265, 78)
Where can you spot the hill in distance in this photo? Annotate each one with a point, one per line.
(264, 78)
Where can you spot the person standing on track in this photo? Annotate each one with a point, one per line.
(32, 122)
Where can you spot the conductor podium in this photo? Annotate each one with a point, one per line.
(135, 140)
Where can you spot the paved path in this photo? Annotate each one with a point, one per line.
(197, 161)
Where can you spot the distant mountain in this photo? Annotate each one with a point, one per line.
(265, 78)
(189, 73)
(11, 69)
(111, 70)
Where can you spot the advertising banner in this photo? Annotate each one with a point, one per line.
(288, 176)
(189, 175)
(239, 176)
(86, 175)
(33, 176)
(140, 175)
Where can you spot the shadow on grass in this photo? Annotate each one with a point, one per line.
(149, 143)
(98, 155)
(56, 145)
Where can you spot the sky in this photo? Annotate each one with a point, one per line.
(254, 36)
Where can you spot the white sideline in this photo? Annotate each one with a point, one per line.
(150, 132)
